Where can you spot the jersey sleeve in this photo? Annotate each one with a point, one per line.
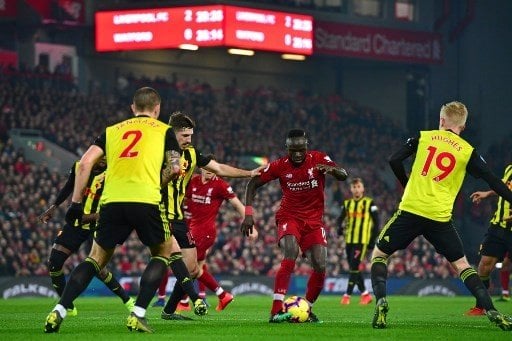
(226, 190)
(101, 141)
(324, 159)
(202, 160)
(271, 172)
(67, 189)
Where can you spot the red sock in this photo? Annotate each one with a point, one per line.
(504, 279)
(163, 285)
(282, 282)
(206, 279)
(315, 286)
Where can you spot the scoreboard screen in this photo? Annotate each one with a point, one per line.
(215, 25)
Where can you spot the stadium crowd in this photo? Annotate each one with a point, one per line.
(233, 123)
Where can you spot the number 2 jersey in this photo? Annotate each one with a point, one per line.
(302, 186)
(442, 160)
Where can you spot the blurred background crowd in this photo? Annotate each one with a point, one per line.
(236, 124)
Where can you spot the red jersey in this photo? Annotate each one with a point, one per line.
(302, 186)
(203, 203)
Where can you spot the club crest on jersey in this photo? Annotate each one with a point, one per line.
(284, 226)
(310, 173)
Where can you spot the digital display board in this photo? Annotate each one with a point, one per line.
(268, 30)
(216, 25)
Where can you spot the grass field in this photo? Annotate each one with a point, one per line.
(410, 318)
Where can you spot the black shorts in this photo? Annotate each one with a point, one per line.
(72, 237)
(497, 242)
(181, 232)
(355, 254)
(404, 227)
(118, 220)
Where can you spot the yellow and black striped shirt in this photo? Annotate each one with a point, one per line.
(190, 159)
(362, 220)
(503, 206)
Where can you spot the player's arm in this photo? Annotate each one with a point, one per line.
(339, 220)
(172, 158)
(240, 208)
(247, 226)
(222, 169)
(338, 173)
(65, 192)
(476, 197)
(396, 159)
(374, 214)
(478, 168)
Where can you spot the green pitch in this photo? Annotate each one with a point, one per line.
(409, 318)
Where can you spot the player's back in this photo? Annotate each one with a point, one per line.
(437, 174)
(135, 156)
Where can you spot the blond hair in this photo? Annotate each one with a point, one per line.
(455, 113)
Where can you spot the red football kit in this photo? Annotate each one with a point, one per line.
(203, 201)
(302, 204)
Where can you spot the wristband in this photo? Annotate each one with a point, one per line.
(248, 210)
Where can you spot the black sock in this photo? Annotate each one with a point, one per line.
(78, 281)
(351, 282)
(114, 286)
(174, 299)
(360, 282)
(55, 264)
(182, 275)
(150, 280)
(379, 276)
(477, 288)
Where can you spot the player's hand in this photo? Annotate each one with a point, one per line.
(478, 196)
(247, 227)
(257, 171)
(325, 168)
(254, 235)
(509, 218)
(47, 215)
(90, 218)
(74, 214)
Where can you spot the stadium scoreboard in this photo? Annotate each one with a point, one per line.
(216, 25)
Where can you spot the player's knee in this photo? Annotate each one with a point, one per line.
(103, 274)
(56, 260)
(194, 271)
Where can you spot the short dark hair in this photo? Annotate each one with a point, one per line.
(356, 180)
(296, 133)
(179, 121)
(296, 136)
(146, 99)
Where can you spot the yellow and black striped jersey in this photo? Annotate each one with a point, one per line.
(362, 220)
(503, 207)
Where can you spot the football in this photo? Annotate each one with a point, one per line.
(298, 307)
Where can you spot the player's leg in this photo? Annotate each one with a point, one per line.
(318, 256)
(350, 251)
(397, 234)
(505, 278)
(77, 283)
(290, 249)
(206, 279)
(366, 297)
(447, 242)
(161, 292)
(113, 284)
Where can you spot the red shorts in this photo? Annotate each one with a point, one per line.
(307, 233)
(203, 244)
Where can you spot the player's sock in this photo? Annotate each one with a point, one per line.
(78, 280)
(475, 285)
(163, 285)
(277, 304)
(182, 275)
(176, 295)
(315, 286)
(206, 279)
(55, 264)
(113, 284)
(505, 281)
(283, 276)
(379, 274)
(352, 281)
(150, 280)
(360, 282)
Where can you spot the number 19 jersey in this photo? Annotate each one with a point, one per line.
(437, 175)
